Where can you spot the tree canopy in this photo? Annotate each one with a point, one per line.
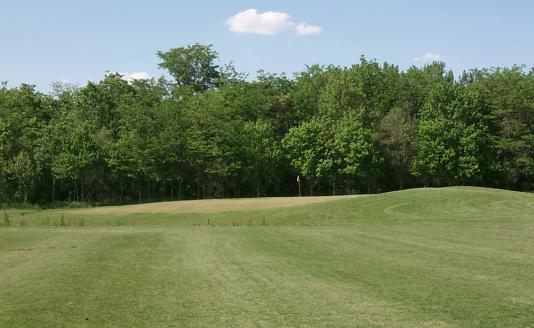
(211, 132)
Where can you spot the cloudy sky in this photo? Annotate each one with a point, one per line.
(76, 41)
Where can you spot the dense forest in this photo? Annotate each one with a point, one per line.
(208, 131)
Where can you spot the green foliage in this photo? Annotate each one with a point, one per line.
(453, 136)
(260, 153)
(509, 93)
(397, 137)
(358, 155)
(212, 133)
(310, 148)
(192, 66)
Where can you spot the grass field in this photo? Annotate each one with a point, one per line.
(451, 257)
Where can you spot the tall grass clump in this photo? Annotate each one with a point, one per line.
(6, 220)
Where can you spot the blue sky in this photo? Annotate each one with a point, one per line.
(45, 41)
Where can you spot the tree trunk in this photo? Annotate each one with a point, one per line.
(122, 190)
(334, 187)
(75, 190)
(53, 188)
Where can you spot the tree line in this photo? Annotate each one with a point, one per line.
(209, 131)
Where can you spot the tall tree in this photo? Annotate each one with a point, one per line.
(192, 66)
(397, 136)
(354, 142)
(452, 136)
(311, 150)
(260, 154)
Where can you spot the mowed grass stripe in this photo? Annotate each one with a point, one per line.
(100, 279)
(254, 288)
(437, 284)
(203, 278)
(210, 275)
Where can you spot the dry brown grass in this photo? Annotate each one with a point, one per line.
(208, 205)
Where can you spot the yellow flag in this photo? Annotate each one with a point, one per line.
(298, 178)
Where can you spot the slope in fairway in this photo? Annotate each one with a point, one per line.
(210, 205)
(452, 257)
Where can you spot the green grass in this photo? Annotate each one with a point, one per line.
(452, 257)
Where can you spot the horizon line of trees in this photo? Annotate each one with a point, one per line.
(210, 132)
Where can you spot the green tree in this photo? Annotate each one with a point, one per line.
(76, 150)
(453, 135)
(213, 144)
(359, 156)
(192, 66)
(24, 113)
(24, 171)
(310, 148)
(169, 145)
(509, 93)
(397, 136)
(260, 154)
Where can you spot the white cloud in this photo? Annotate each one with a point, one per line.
(251, 21)
(266, 23)
(428, 57)
(130, 77)
(307, 29)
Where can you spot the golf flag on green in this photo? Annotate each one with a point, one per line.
(298, 178)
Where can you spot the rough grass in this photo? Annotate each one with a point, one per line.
(452, 257)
